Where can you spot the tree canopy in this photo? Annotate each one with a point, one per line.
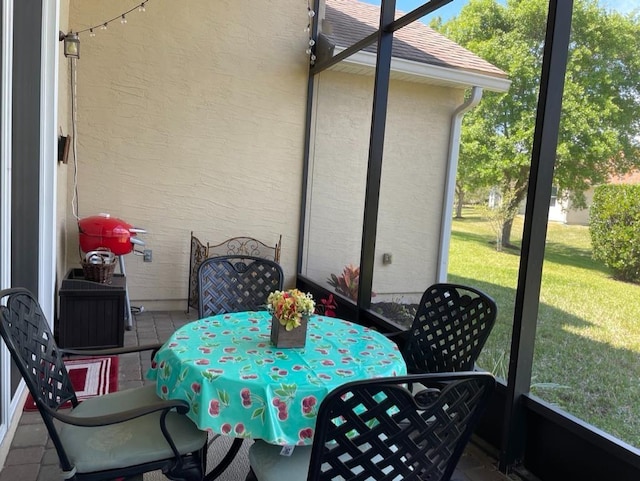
(600, 124)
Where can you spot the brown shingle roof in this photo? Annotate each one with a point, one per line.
(351, 21)
(629, 178)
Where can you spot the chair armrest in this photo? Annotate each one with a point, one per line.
(113, 351)
(182, 407)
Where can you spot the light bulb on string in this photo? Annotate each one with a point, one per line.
(122, 17)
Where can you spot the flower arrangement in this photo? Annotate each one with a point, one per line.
(289, 307)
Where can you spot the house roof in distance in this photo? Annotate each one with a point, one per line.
(632, 177)
(416, 47)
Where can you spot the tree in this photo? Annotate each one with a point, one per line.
(600, 125)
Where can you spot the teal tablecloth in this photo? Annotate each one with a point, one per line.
(240, 385)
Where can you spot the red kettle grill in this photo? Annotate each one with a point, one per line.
(108, 232)
(120, 237)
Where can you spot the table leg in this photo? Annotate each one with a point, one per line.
(226, 461)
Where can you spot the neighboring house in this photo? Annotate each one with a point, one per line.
(562, 210)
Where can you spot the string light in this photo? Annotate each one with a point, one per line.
(140, 7)
(309, 51)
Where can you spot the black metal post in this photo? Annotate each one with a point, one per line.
(535, 227)
(306, 153)
(376, 148)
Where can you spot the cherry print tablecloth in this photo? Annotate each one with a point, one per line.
(238, 384)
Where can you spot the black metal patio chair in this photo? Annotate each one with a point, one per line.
(118, 435)
(236, 283)
(378, 430)
(449, 330)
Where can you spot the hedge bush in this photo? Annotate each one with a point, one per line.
(614, 226)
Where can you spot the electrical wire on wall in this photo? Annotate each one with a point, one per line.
(74, 137)
(74, 128)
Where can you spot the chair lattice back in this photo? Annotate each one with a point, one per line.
(26, 333)
(236, 246)
(377, 429)
(450, 328)
(236, 283)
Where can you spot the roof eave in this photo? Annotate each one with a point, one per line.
(447, 75)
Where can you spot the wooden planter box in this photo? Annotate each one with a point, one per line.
(91, 313)
(280, 337)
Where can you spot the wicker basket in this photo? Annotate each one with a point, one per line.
(99, 265)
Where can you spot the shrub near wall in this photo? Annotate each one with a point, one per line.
(614, 226)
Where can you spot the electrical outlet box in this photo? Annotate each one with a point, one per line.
(147, 255)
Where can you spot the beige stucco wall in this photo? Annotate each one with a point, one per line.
(412, 189)
(190, 118)
(64, 128)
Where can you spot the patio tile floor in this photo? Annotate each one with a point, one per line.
(32, 456)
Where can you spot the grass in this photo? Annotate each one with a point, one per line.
(587, 352)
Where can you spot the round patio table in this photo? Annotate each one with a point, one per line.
(238, 384)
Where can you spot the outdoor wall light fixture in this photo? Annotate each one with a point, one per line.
(71, 44)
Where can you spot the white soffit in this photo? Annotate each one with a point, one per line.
(363, 63)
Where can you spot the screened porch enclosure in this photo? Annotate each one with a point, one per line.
(377, 209)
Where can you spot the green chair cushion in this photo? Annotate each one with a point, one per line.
(269, 465)
(129, 443)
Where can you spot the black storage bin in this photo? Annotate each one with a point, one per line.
(91, 313)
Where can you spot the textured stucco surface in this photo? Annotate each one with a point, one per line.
(190, 118)
(412, 188)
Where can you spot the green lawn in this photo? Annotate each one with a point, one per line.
(587, 355)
